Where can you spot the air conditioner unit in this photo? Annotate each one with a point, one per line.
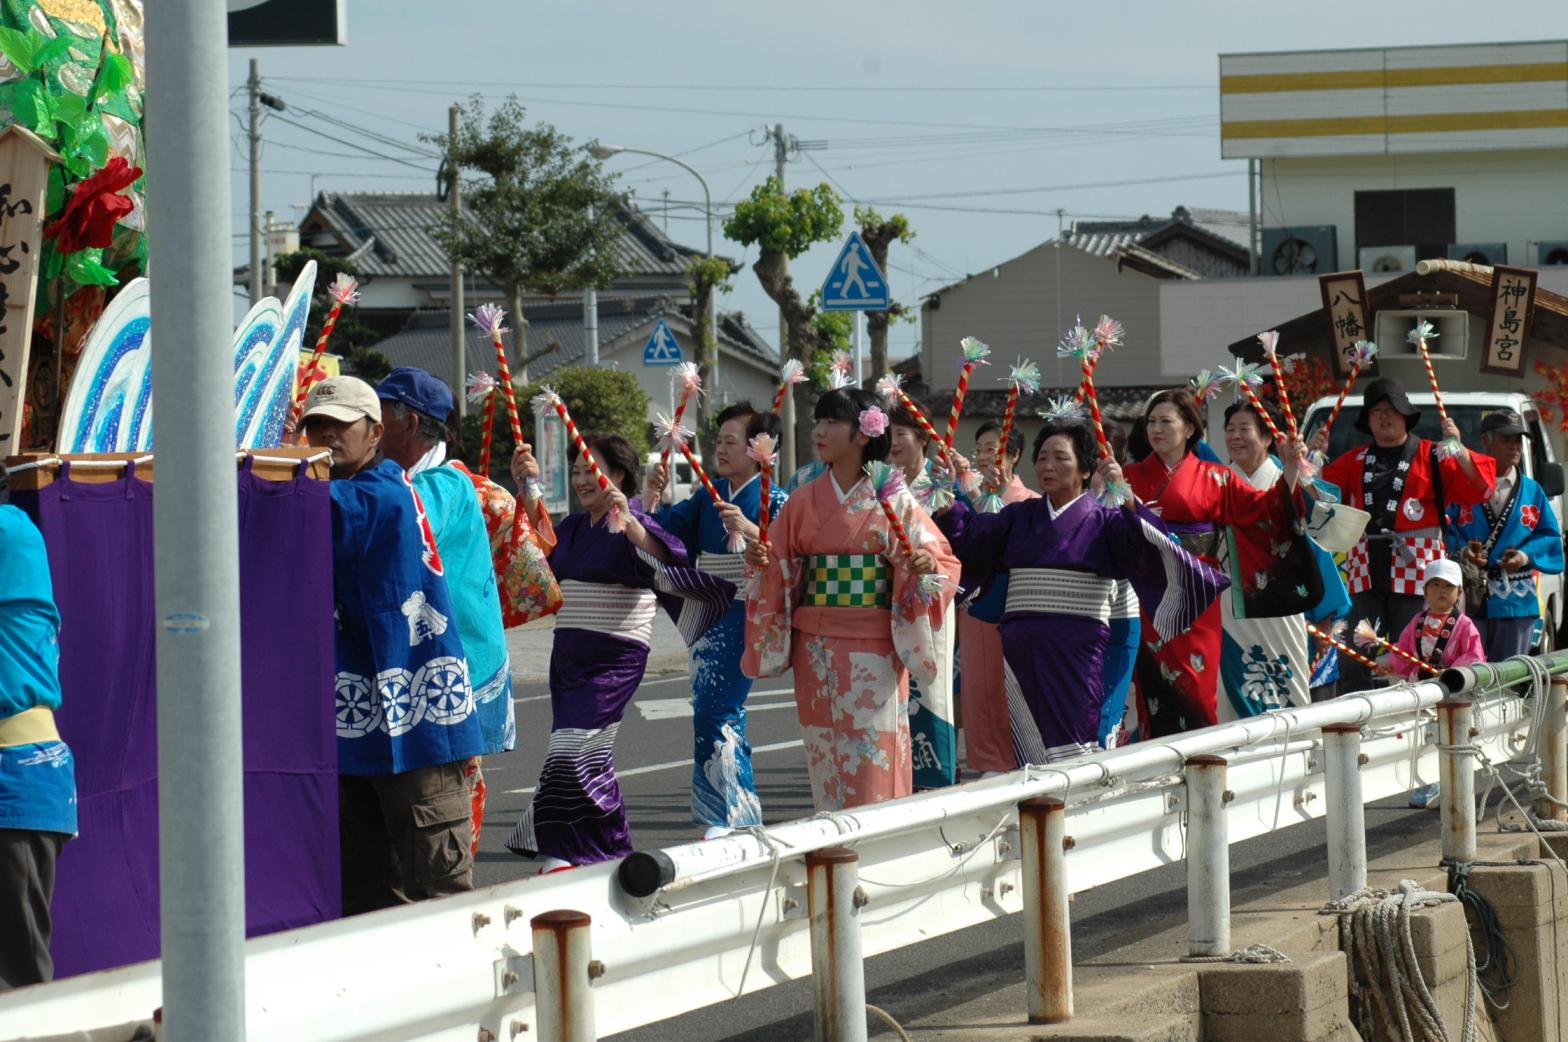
(1551, 253)
(1306, 250)
(1384, 260)
(1392, 326)
(1488, 253)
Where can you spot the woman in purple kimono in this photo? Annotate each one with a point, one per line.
(611, 584)
(1062, 555)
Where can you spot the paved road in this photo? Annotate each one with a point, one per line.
(653, 756)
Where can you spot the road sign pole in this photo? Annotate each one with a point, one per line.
(860, 326)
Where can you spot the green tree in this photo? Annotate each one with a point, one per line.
(604, 401)
(351, 339)
(783, 227)
(879, 233)
(539, 215)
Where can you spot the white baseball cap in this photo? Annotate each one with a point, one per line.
(1443, 569)
(343, 398)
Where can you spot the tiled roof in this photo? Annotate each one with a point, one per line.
(1230, 227)
(388, 234)
(426, 341)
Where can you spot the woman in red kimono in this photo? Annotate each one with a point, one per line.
(1176, 679)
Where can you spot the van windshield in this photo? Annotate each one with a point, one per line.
(1345, 437)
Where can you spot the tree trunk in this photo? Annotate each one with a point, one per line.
(707, 353)
(877, 238)
(519, 337)
(876, 332)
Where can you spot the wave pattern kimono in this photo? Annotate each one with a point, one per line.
(722, 790)
(1176, 675)
(1529, 526)
(610, 591)
(1061, 591)
(839, 605)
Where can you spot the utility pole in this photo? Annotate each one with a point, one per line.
(591, 320)
(780, 157)
(666, 211)
(455, 209)
(254, 86)
(201, 758)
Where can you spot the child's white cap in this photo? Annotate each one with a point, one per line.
(1443, 569)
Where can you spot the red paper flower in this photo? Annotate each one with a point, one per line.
(1529, 516)
(95, 206)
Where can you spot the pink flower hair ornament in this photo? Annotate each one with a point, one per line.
(873, 422)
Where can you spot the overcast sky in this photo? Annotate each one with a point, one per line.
(978, 120)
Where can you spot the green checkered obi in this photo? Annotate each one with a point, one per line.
(847, 581)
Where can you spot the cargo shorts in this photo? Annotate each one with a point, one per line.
(405, 837)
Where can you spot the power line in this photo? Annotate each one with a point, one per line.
(348, 144)
(833, 89)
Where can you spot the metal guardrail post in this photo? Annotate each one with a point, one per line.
(1554, 751)
(1456, 777)
(1048, 942)
(1347, 820)
(838, 974)
(563, 997)
(1208, 857)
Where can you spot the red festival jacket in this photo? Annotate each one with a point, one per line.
(1417, 518)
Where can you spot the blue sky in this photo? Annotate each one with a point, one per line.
(978, 121)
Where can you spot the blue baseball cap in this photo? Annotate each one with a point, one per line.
(419, 390)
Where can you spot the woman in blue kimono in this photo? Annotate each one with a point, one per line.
(723, 796)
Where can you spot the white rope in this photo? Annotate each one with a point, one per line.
(1252, 953)
(1386, 985)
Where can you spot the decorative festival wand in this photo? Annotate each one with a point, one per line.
(1025, 377)
(930, 494)
(887, 481)
(1079, 343)
(1361, 356)
(974, 355)
(1368, 637)
(482, 390)
(838, 371)
(1449, 447)
(1347, 650)
(688, 378)
(1321, 658)
(489, 317)
(1246, 378)
(673, 436)
(790, 374)
(547, 400)
(343, 291)
(1270, 342)
(763, 449)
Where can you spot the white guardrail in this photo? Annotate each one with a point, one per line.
(732, 915)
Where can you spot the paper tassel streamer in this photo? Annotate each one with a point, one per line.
(488, 317)
(890, 387)
(1206, 385)
(838, 371)
(343, 291)
(1367, 636)
(974, 355)
(1365, 352)
(1448, 448)
(1025, 378)
(1270, 342)
(1064, 409)
(1080, 344)
(763, 450)
(482, 388)
(887, 481)
(546, 401)
(990, 503)
(1347, 650)
(934, 495)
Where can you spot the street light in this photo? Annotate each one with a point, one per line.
(601, 152)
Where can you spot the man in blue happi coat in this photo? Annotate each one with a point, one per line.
(1509, 539)
(406, 719)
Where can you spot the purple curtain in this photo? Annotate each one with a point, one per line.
(99, 538)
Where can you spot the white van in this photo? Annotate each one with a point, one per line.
(1466, 410)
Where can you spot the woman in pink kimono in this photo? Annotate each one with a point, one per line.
(839, 602)
(988, 731)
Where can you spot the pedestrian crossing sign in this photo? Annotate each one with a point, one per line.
(855, 283)
(663, 348)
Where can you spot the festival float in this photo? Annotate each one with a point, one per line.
(78, 433)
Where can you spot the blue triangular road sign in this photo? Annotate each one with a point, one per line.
(663, 348)
(855, 283)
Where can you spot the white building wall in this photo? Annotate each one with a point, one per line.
(1517, 197)
(739, 378)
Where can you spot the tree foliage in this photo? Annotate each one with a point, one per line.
(783, 227)
(352, 339)
(604, 401)
(879, 233)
